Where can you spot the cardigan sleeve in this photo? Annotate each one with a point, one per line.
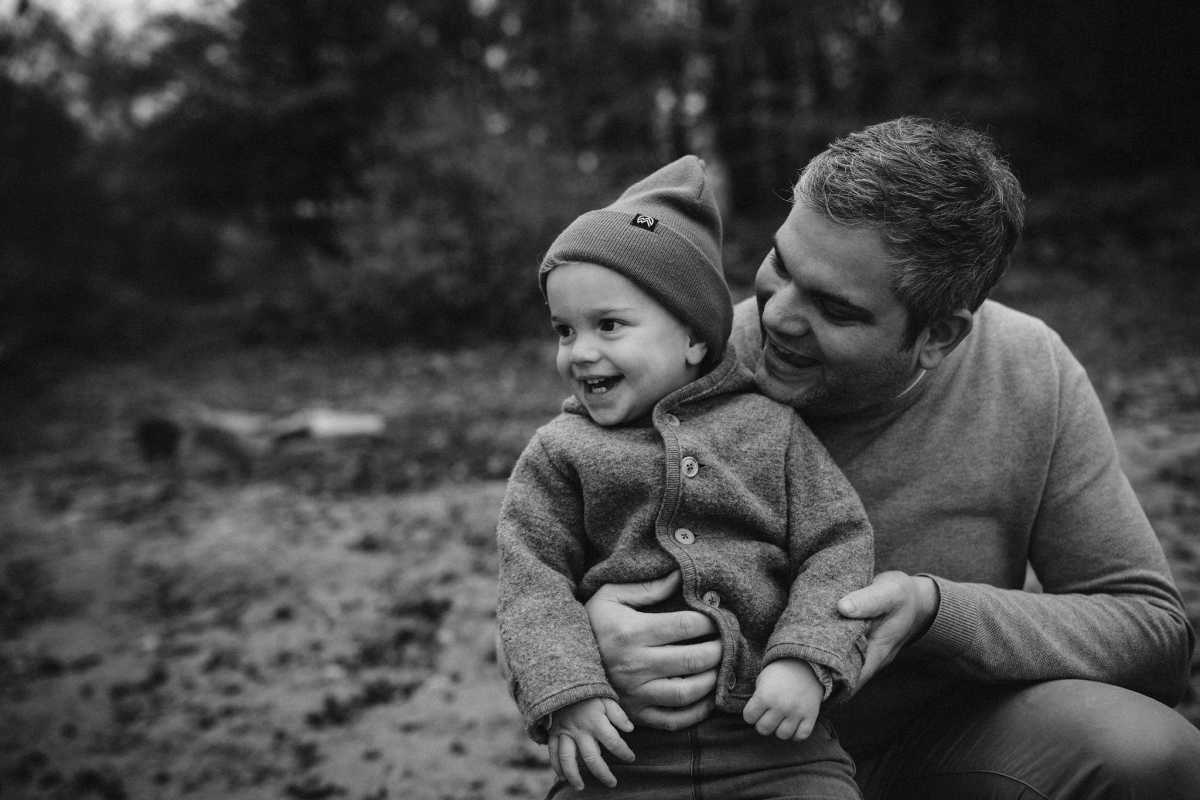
(548, 649)
(1109, 610)
(831, 550)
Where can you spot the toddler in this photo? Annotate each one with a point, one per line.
(665, 459)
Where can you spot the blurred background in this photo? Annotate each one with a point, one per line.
(270, 338)
(305, 171)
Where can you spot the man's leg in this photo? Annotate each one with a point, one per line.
(1066, 740)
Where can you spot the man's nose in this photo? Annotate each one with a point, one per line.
(784, 313)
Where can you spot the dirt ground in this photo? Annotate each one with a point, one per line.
(321, 625)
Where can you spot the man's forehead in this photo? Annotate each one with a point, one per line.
(834, 258)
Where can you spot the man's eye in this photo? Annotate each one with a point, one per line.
(777, 266)
(836, 312)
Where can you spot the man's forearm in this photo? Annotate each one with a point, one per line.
(989, 634)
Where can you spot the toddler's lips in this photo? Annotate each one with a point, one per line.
(599, 384)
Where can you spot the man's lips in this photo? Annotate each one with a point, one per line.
(790, 358)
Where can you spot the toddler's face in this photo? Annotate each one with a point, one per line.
(618, 348)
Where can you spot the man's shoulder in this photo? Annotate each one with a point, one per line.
(1016, 353)
(1004, 332)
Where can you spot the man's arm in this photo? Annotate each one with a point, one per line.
(661, 682)
(1109, 610)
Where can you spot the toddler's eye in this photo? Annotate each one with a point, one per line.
(609, 325)
(562, 331)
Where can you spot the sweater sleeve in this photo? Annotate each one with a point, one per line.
(1109, 610)
(831, 550)
(547, 647)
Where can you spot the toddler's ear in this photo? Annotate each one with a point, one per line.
(696, 351)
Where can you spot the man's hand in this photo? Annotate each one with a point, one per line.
(786, 700)
(576, 734)
(662, 684)
(900, 608)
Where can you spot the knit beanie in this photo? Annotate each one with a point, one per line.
(663, 234)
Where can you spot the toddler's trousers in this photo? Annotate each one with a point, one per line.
(723, 758)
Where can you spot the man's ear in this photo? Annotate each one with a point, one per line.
(941, 336)
(696, 351)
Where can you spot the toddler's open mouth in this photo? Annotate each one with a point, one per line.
(599, 385)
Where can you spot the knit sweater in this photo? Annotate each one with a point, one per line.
(726, 486)
(1001, 456)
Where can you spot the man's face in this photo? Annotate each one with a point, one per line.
(833, 331)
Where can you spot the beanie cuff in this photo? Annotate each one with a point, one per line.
(661, 262)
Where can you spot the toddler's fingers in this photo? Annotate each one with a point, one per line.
(614, 744)
(593, 759)
(753, 710)
(552, 746)
(788, 727)
(804, 729)
(617, 715)
(768, 722)
(568, 762)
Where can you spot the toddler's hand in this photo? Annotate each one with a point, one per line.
(786, 700)
(576, 733)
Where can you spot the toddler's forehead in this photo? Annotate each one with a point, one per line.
(596, 281)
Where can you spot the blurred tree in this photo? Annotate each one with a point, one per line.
(49, 195)
(386, 169)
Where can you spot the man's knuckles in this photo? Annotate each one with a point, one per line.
(694, 659)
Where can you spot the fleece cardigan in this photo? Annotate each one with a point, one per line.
(726, 486)
(999, 457)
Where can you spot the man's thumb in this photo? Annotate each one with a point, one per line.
(861, 604)
(870, 601)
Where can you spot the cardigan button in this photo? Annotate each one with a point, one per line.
(684, 536)
(671, 420)
(690, 466)
(711, 598)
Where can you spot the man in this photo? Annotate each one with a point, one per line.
(977, 445)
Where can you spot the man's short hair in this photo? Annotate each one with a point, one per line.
(947, 206)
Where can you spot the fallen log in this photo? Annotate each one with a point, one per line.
(242, 437)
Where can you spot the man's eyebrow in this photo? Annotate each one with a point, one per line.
(848, 305)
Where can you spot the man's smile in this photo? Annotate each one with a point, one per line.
(788, 357)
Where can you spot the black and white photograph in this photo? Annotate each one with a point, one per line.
(623, 399)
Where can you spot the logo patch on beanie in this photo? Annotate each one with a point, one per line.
(644, 221)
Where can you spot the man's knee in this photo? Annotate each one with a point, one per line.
(1122, 744)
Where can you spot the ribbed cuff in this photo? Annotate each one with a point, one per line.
(954, 625)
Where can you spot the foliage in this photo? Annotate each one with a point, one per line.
(389, 170)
